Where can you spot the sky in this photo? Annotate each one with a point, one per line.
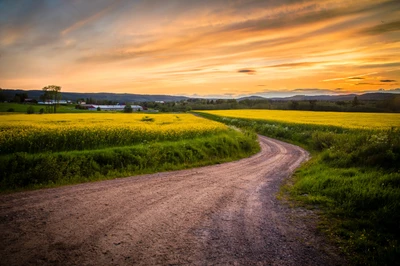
(201, 48)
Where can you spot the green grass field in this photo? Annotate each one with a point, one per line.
(5, 108)
(353, 177)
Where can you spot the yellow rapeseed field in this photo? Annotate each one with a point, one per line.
(341, 119)
(59, 132)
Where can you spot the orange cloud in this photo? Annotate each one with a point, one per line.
(202, 47)
(79, 24)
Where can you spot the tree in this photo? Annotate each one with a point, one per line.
(16, 99)
(355, 101)
(52, 93)
(293, 105)
(2, 96)
(30, 110)
(20, 97)
(128, 109)
(313, 103)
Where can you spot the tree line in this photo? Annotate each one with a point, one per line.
(392, 104)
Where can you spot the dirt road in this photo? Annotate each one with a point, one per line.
(216, 215)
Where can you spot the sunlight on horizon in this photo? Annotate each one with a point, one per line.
(204, 48)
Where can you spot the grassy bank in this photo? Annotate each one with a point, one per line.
(23, 170)
(10, 108)
(353, 177)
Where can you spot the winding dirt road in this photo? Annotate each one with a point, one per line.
(215, 215)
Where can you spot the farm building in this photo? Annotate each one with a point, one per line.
(94, 107)
(53, 102)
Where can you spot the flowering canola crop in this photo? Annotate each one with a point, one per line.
(62, 132)
(341, 119)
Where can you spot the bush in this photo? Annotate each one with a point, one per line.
(128, 109)
(322, 140)
(41, 111)
(10, 110)
(147, 119)
(30, 110)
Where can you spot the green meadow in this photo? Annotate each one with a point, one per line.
(353, 179)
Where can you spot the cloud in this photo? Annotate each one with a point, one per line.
(302, 13)
(79, 24)
(397, 90)
(382, 28)
(313, 90)
(367, 83)
(157, 45)
(376, 82)
(247, 71)
(384, 65)
(352, 77)
(117, 55)
(299, 91)
(298, 64)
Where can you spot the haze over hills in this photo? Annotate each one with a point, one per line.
(127, 97)
(345, 97)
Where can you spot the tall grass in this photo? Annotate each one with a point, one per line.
(24, 170)
(10, 108)
(354, 177)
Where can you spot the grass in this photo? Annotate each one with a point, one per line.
(25, 171)
(353, 177)
(38, 151)
(5, 108)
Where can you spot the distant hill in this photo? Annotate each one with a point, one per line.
(127, 97)
(251, 98)
(118, 97)
(333, 98)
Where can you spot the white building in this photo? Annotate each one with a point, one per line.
(94, 107)
(53, 102)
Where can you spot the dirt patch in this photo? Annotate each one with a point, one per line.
(215, 215)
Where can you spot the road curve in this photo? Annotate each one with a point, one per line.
(215, 215)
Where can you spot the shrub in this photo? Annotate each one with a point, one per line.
(128, 109)
(30, 110)
(147, 119)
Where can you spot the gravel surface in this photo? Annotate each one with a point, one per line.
(224, 214)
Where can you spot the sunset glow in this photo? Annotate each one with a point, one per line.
(201, 48)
